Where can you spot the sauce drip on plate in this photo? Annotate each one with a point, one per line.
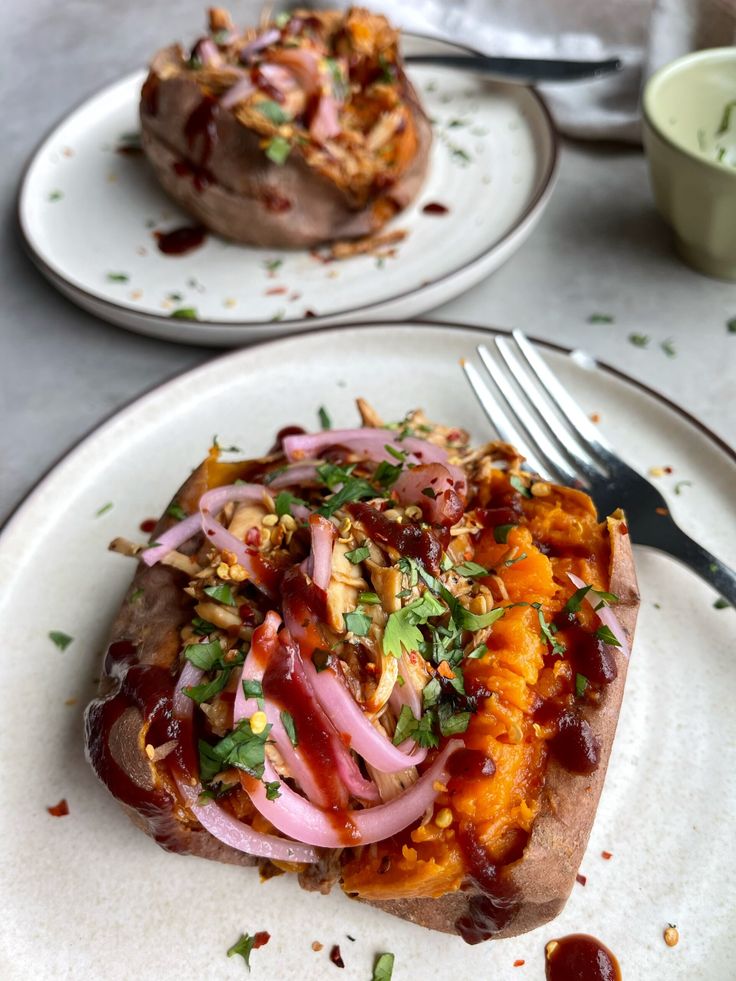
(580, 957)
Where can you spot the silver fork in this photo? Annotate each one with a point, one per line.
(529, 407)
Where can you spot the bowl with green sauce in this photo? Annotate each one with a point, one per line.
(689, 109)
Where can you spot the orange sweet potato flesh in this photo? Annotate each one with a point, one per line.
(532, 815)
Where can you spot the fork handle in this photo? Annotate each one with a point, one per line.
(680, 546)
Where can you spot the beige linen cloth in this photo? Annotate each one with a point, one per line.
(645, 34)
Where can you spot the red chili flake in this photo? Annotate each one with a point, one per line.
(519, 963)
(663, 511)
(253, 537)
(595, 417)
(276, 291)
(261, 939)
(211, 532)
(623, 528)
(582, 879)
(607, 855)
(308, 314)
(336, 957)
(148, 525)
(59, 810)
(668, 470)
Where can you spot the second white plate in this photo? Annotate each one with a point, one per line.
(89, 215)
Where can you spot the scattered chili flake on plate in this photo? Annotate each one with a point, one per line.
(336, 957)
(519, 963)
(59, 810)
(582, 879)
(607, 855)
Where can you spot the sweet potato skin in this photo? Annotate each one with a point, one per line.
(541, 880)
(236, 198)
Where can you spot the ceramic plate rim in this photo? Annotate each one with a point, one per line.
(533, 210)
(15, 515)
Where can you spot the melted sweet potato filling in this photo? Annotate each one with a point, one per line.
(558, 533)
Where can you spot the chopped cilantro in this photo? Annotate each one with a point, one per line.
(518, 484)
(339, 82)
(324, 418)
(243, 947)
(272, 110)
(203, 627)
(272, 265)
(680, 484)
(358, 555)
(243, 749)
(386, 75)
(420, 730)
(399, 455)
(136, 595)
(519, 558)
(669, 348)
(104, 509)
(252, 688)
(731, 325)
(56, 195)
(549, 631)
(721, 604)
(501, 533)
(402, 627)
(287, 720)
(61, 639)
(272, 789)
(581, 685)
(386, 474)
(184, 313)
(468, 569)
(369, 599)
(175, 510)
(278, 150)
(357, 623)
(429, 492)
(383, 969)
(117, 277)
(225, 449)
(476, 621)
(207, 691)
(221, 592)
(726, 117)
(284, 502)
(452, 723)
(209, 762)
(346, 487)
(639, 340)
(600, 318)
(204, 656)
(477, 652)
(605, 634)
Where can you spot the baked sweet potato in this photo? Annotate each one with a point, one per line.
(445, 686)
(302, 132)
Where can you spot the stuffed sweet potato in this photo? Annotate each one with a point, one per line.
(301, 132)
(375, 637)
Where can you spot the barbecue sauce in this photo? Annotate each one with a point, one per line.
(580, 957)
(180, 241)
(407, 539)
(435, 208)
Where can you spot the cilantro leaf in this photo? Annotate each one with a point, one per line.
(203, 627)
(104, 509)
(468, 569)
(61, 639)
(581, 685)
(358, 554)
(420, 730)
(346, 487)
(287, 720)
(357, 623)
(209, 762)
(222, 593)
(324, 418)
(386, 474)
(175, 510)
(476, 621)
(477, 652)
(207, 691)
(204, 656)
(383, 969)
(369, 599)
(284, 501)
(278, 150)
(452, 723)
(402, 627)
(243, 947)
(518, 484)
(272, 789)
(501, 533)
(272, 111)
(184, 313)
(548, 632)
(252, 688)
(605, 634)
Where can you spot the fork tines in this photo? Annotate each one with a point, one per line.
(529, 407)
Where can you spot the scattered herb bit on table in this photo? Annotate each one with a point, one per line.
(61, 639)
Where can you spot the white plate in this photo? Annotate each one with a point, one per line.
(88, 896)
(87, 213)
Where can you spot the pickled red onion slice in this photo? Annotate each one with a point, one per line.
(296, 817)
(345, 713)
(323, 537)
(605, 614)
(172, 539)
(227, 829)
(182, 705)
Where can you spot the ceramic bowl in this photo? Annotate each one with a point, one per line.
(689, 109)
